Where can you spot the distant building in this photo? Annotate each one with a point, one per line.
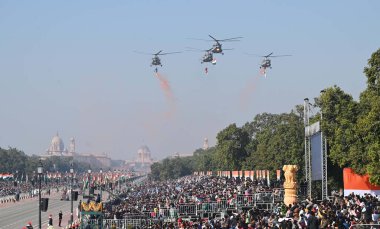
(205, 144)
(97, 160)
(57, 148)
(143, 161)
(177, 154)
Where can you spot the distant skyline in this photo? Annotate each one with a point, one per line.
(70, 67)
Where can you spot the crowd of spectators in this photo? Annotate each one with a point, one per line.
(12, 191)
(337, 212)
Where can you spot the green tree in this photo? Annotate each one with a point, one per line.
(368, 125)
(340, 114)
(204, 160)
(278, 139)
(231, 152)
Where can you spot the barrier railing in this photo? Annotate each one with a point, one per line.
(261, 200)
(126, 223)
(365, 226)
(187, 209)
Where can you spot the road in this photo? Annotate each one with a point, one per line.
(17, 215)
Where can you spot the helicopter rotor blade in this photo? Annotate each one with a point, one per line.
(144, 53)
(251, 54)
(231, 39)
(158, 53)
(199, 39)
(280, 55)
(213, 38)
(166, 53)
(190, 49)
(269, 55)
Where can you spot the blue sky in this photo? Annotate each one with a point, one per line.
(69, 66)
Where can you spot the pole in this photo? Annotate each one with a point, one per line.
(39, 203)
(71, 191)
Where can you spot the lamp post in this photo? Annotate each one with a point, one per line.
(39, 171)
(101, 180)
(71, 191)
(89, 182)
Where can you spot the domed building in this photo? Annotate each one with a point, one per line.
(143, 161)
(57, 148)
(144, 155)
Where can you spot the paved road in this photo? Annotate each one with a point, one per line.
(17, 215)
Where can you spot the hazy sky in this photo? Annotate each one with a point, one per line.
(69, 66)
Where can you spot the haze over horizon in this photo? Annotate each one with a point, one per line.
(69, 67)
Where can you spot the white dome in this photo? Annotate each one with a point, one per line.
(57, 144)
(143, 150)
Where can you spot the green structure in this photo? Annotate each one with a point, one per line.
(91, 213)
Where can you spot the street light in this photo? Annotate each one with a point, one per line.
(39, 171)
(89, 181)
(101, 180)
(71, 191)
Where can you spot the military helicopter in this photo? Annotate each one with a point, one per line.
(266, 62)
(217, 47)
(156, 61)
(208, 57)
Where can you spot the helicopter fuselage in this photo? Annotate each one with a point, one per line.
(266, 63)
(208, 57)
(156, 61)
(217, 48)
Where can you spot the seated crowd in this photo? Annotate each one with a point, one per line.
(153, 197)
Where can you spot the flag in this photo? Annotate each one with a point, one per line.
(85, 182)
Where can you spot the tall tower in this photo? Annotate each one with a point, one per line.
(205, 144)
(72, 146)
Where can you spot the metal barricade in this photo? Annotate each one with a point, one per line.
(245, 200)
(264, 206)
(209, 207)
(264, 197)
(278, 195)
(187, 209)
(127, 223)
(165, 213)
(224, 204)
(365, 226)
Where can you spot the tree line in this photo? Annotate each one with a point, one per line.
(270, 141)
(13, 160)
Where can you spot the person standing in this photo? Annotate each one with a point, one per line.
(312, 221)
(59, 218)
(50, 220)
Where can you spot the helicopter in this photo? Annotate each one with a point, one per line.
(266, 62)
(208, 57)
(217, 47)
(156, 61)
